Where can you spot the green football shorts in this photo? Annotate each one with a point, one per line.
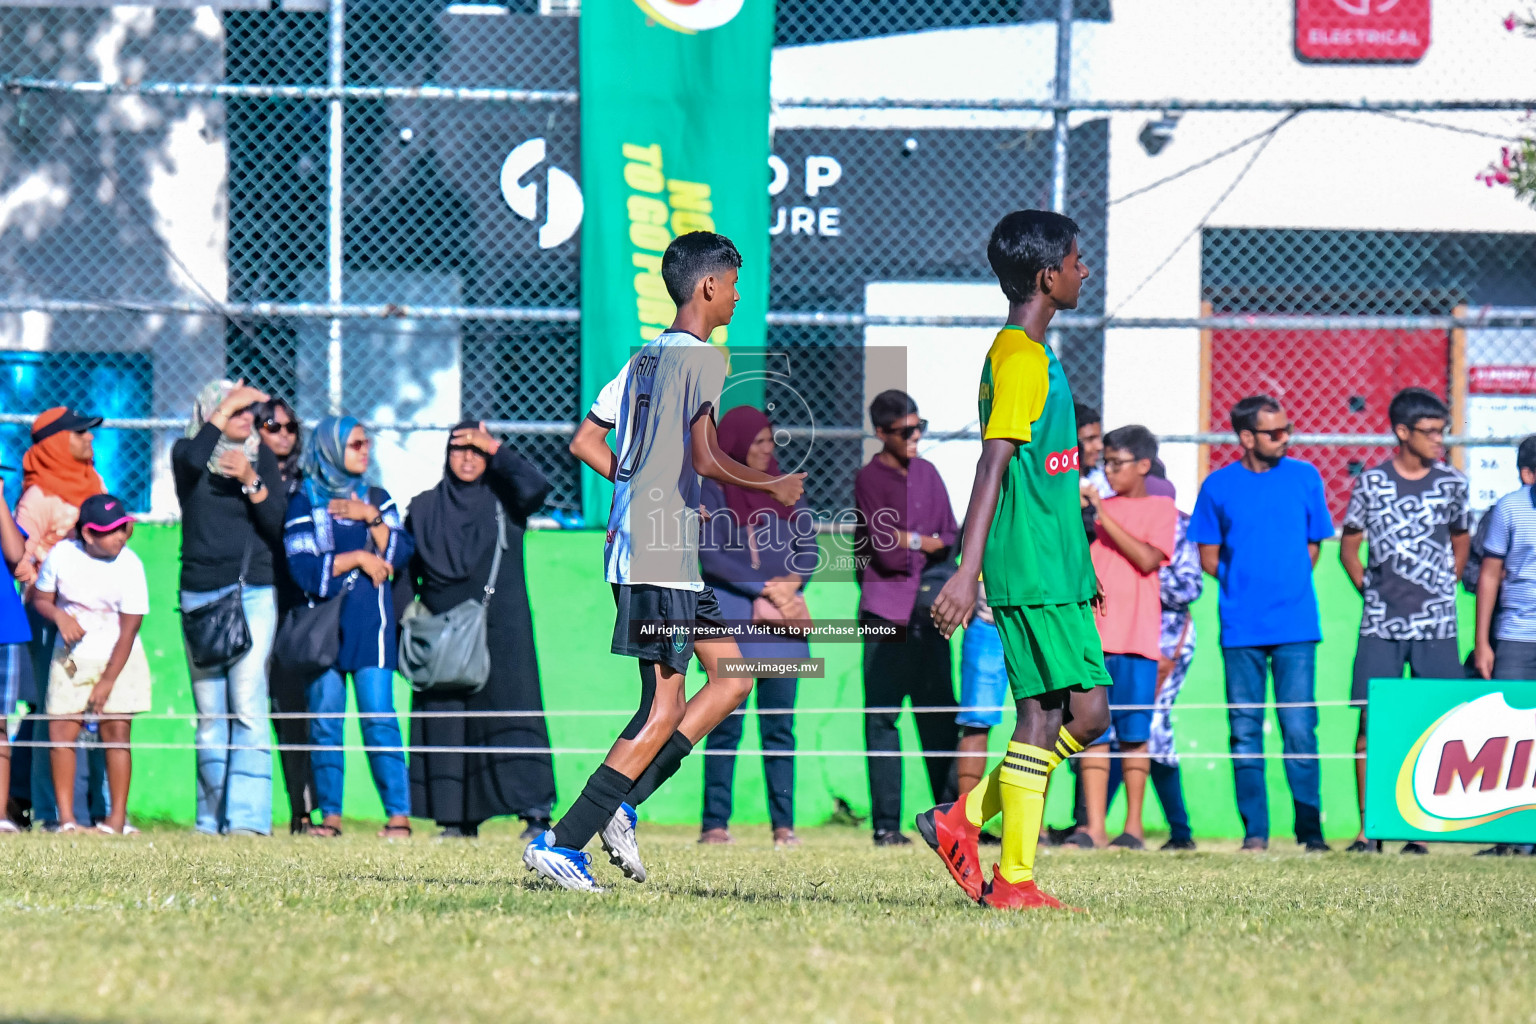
(1050, 647)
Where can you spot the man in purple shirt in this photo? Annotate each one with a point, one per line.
(905, 545)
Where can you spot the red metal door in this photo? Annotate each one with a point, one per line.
(1329, 382)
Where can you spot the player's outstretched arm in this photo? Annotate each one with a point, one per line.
(957, 599)
(710, 461)
(590, 445)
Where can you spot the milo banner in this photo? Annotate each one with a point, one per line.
(674, 138)
(1451, 761)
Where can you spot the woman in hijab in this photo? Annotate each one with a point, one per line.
(231, 516)
(754, 548)
(455, 526)
(279, 428)
(59, 473)
(345, 540)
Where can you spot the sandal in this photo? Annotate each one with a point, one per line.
(395, 832)
(323, 831)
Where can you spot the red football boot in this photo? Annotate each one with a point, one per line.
(1002, 894)
(951, 835)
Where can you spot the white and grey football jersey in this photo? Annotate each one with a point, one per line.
(653, 527)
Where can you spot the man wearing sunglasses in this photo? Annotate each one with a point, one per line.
(1260, 523)
(907, 531)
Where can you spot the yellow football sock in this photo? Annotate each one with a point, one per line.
(1066, 746)
(985, 802)
(1021, 787)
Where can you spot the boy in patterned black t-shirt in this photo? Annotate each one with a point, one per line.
(1411, 512)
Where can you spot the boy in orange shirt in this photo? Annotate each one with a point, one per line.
(1134, 538)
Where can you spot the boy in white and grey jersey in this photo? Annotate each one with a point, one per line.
(654, 402)
(664, 404)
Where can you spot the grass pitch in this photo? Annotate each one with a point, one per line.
(169, 926)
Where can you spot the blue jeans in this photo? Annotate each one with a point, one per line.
(1294, 668)
(777, 733)
(375, 696)
(234, 758)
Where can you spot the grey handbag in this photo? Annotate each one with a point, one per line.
(447, 654)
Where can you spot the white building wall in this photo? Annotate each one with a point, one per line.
(1321, 170)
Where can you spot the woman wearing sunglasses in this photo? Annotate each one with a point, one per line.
(278, 426)
(344, 540)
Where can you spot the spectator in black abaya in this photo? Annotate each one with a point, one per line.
(278, 426)
(455, 529)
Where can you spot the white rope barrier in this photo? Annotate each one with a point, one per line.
(605, 713)
(601, 751)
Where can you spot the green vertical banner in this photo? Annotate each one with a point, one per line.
(674, 138)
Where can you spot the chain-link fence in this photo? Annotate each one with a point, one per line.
(317, 200)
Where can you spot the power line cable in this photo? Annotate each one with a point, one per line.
(1269, 137)
(1458, 129)
(1176, 175)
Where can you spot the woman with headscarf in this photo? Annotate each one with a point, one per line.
(455, 527)
(345, 540)
(278, 425)
(59, 473)
(754, 548)
(231, 519)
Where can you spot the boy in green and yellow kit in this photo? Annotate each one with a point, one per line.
(1023, 533)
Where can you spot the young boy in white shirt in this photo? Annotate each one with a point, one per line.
(92, 587)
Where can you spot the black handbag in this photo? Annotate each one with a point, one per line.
(217, 633)
(309, 639)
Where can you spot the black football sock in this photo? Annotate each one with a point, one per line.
(665, 765)
(599, 798)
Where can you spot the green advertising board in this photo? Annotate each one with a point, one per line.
(1450, 760)
(674, 138)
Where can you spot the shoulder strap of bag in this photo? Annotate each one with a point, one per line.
(501, 542)
(245, 559)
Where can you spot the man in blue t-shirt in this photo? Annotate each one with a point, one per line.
(1260, 523)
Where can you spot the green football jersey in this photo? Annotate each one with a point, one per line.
(1037, 551)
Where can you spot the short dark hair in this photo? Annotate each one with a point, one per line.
(1245, 414)
(1026, 242)
(694, 256)
(1525, 455)
(1136, 439)
(1413, 404)
(890, 406)
(1086, 414)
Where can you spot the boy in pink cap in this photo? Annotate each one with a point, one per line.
(92, 587)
